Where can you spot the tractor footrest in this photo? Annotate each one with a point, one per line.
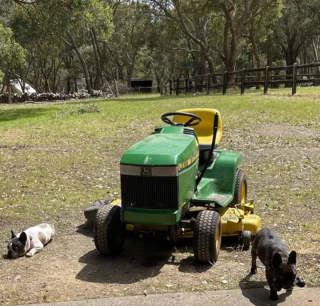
(91, 212)
(187, 223)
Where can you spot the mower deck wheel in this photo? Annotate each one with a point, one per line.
(109, 230)
(246, 239)
(207, 236)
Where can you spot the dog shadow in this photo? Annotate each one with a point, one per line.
(257, 294)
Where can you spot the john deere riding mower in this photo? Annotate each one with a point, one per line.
(176, 183)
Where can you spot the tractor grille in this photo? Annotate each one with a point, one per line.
(149, 192)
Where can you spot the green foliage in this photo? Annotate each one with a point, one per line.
(106, 40)
(11, 53)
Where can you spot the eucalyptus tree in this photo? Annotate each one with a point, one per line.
(166, 54)
(259, 30)
(215, 26)
(43, 68)
(132, 21)
(299, 24)
(72, 21)
(11, 55)
(193, 18)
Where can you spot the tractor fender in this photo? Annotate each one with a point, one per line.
(223, 170)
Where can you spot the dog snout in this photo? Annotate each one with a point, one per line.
(12, 255)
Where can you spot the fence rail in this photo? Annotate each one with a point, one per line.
(245, 78)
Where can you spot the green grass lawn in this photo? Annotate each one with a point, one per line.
(54, 162)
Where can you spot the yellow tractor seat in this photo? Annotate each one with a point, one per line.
(204, 130)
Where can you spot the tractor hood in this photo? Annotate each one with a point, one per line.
(172, 145)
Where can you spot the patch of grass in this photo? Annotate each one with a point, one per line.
(82, 109)
(55, 162)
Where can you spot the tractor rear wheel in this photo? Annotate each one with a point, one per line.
(207, 236)
(109, 230)
(240, 188)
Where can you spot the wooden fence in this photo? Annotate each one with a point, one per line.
(245, 78)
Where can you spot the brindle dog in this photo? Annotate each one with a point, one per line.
(280, 263)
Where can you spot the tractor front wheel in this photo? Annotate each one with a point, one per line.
(207, 236)
(109, 230)
(240, 188)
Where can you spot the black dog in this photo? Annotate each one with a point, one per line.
(280, 263)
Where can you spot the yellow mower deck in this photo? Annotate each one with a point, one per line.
(234, 220)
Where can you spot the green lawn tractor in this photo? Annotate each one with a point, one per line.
(176, 183)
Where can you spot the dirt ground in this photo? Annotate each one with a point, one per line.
(69, 268)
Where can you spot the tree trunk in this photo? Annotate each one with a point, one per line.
(97, 84)
(255, 53)
(269, 52)
(9, 88)
(4, 85)
(116, 91)
(83, 64)
(290, 59)
(130, 69)
(68, 85)
(75, 85)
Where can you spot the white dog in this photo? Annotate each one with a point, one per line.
(30, 241)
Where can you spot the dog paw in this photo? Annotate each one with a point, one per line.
(274, 296)
(29, 254)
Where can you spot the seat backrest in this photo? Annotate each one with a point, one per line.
(204, 130)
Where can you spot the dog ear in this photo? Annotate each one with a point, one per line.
(23, 238)
(292, 258)
(13, 235)
(276, 260)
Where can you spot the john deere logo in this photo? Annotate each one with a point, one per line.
(146, 171)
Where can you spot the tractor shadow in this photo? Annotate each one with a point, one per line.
(86, 229)
(257, 294)
(140, 259)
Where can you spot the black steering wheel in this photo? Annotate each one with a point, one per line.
(190, 122)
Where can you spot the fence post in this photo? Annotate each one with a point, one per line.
(294, 79)
(243, 79)
(225, 83)
(177, 86)
(170, 86)
(266, 80)
(208, 82)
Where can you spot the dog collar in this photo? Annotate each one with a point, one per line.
(31, 244)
